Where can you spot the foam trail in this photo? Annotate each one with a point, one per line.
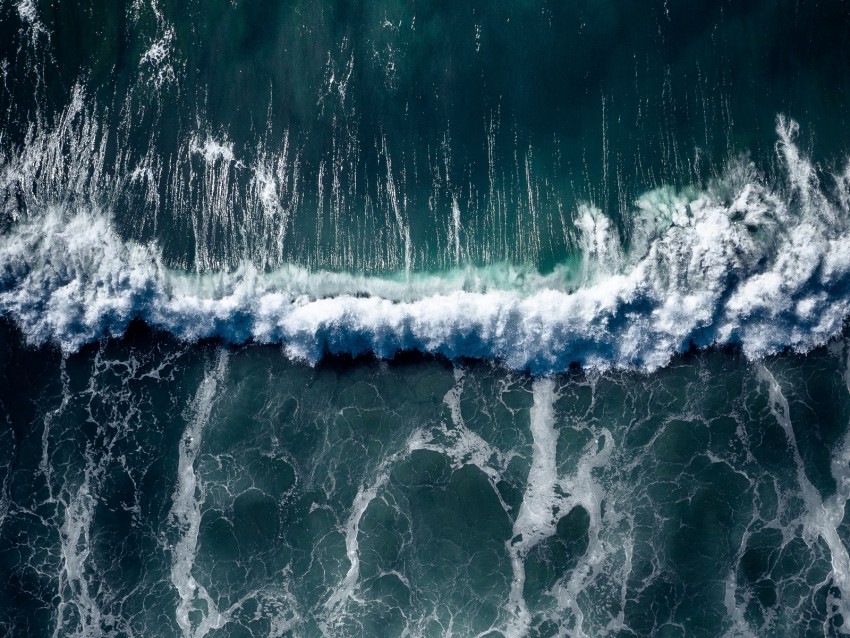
(28, 14)
(764, 266)
(830, 516)
(83, 609)
(538, 513)
(75, 590)
(547, 498)
(45, 467)
(822, 517)
(74, 537)
(5, 499)
(740, 628)
(585, 491)
(186, 513)
(336, 605)
(462, 445)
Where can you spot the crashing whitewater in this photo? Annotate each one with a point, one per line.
(742, 262)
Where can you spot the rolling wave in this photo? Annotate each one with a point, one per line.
(743, 261)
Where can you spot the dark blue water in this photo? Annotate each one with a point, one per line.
(424, 319)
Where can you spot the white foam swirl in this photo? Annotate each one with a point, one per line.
(741, 262)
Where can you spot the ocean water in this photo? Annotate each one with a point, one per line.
(499, 319)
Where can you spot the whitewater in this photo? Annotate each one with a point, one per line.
(744, 261)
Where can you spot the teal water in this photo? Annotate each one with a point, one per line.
(495, 319)
(396, 136)
(160, 489)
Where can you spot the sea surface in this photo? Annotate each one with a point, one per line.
(407, 318)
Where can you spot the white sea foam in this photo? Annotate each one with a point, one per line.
(541, 504)
(822, 517)
(549, 496)
(28, 14)
(212, 149)
(159, 56)
(197, 614)
(765, 266)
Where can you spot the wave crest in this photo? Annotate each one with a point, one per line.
(740, 262)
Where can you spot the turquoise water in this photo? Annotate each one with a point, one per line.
(424, 319)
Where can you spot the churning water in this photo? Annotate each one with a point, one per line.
(417, 318)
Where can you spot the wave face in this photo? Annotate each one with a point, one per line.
(745, 261)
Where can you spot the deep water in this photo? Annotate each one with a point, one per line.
(396, 319)
(154, 488)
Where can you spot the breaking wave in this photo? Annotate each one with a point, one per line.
(743, 261)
